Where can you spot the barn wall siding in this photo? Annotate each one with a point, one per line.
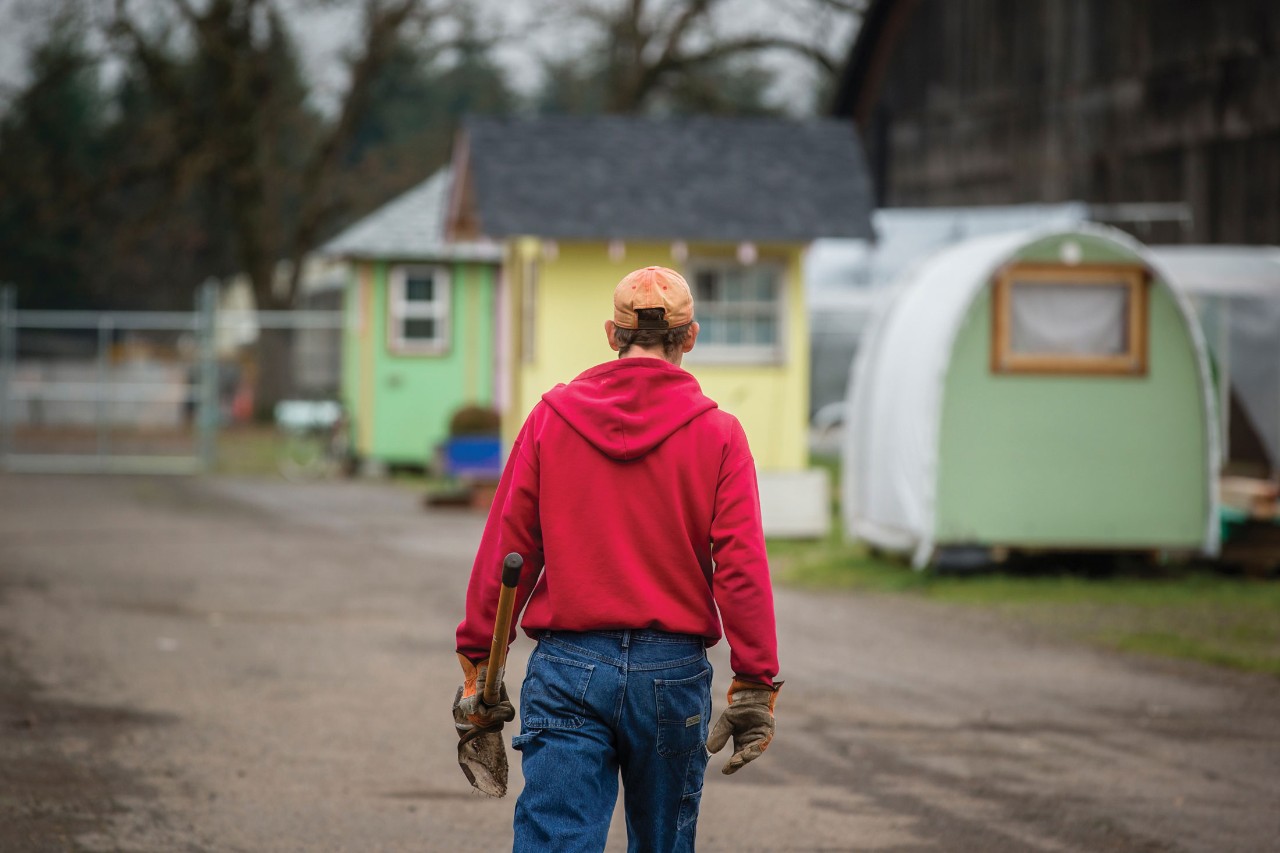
(997, 101)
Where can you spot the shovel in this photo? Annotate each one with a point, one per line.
(481, 752)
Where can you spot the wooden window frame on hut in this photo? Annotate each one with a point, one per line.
(1132, 361)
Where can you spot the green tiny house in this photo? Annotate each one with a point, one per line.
(1043, 390)
(418, 342)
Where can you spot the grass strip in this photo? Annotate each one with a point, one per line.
(1178, 611)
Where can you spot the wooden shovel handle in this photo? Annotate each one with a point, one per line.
(511, 567)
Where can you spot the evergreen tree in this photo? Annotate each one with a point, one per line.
(416, 104)
(51, 153)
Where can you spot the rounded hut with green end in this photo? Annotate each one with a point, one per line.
(1042, 390)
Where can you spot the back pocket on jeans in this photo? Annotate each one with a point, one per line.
(554, 692)
(683, 708)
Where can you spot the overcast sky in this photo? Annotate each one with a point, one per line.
(324, 34)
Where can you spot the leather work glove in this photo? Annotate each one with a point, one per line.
(749, 718)
(469, 709)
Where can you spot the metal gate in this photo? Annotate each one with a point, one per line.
(123, 391)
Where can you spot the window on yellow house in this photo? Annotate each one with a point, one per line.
(418, 308)
(1052, 319)
(740, 311)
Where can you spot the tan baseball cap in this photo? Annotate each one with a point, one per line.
(653, 287)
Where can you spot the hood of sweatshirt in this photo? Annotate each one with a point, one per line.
(626, 408)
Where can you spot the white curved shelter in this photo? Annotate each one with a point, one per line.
(1039, 389)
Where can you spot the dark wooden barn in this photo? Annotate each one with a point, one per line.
(1171, 104)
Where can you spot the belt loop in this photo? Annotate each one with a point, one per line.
(626, 638)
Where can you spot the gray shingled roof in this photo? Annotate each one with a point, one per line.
(410, 227)
(703, 178)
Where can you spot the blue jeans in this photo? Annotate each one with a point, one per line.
(599, 703)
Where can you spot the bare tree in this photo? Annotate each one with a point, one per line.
(237, 123)
(231, 124)
(647, 44)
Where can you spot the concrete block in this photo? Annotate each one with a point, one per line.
(795, 504)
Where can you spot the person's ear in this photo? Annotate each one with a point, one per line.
(691, 339)
(610, 331)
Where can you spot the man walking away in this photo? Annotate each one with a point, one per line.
(633, 499)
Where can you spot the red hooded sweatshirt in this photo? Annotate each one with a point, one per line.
(633, 500)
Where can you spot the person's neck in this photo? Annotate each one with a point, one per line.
(641, 352)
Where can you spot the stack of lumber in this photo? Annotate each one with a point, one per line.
(1251, 525)
(1255, 498)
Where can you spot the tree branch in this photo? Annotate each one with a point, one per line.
(651, 74)
(853, 7)
(750, 44)
(157, 66)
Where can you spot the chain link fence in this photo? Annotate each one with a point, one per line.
(149, 392)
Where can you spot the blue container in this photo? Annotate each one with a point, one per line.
(474, 456)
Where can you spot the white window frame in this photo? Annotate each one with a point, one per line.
(706, 352)
(400, 309)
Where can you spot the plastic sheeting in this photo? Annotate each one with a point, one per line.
(1236, 290)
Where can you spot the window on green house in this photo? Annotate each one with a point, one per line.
(739, 310)
(1083, 319)
(418, 308)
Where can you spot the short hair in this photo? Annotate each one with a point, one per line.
(671, 340)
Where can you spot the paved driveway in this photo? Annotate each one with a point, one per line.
(257, 666)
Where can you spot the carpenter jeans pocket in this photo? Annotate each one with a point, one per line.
(689, 806)
(683, 707)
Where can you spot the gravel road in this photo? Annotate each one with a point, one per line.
(239, 665)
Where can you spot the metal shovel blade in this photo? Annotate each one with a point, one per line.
(483, 758)
(481, 753)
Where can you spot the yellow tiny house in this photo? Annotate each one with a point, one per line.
(730, 203)
(753, 360)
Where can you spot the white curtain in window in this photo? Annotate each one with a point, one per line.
(1069, 319)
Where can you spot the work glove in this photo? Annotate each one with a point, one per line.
(749, 718)
(469, 709)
